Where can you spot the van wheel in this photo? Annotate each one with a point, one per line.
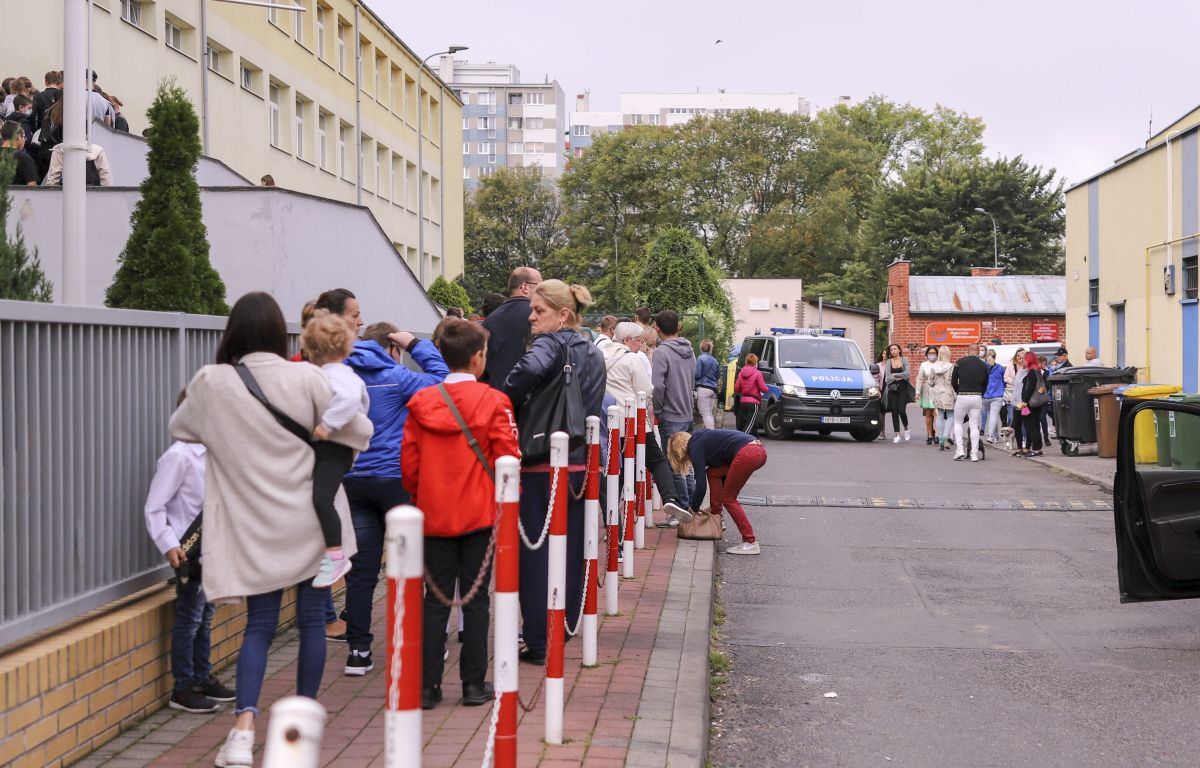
(773, 424)
(866, 435)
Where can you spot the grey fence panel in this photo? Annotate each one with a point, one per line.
(85, 396)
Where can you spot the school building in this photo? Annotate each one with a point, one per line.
(1132, 241)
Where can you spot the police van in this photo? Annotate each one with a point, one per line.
(817, 380)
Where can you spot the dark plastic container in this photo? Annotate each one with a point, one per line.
(1074, 408)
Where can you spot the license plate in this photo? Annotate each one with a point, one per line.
(835, 419)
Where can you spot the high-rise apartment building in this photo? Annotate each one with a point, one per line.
(324, 99)
(506, 123)
(585, 124)
(678, 108)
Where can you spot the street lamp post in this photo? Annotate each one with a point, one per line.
(421, 162)
(995, 238)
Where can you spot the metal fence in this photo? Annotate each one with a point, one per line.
(85, 396)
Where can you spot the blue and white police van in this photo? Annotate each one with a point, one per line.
(818, 381)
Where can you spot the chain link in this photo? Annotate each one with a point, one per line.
(480, 578)
(398, 628)
(587, 570)
(549, 510)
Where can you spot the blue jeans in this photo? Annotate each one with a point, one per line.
(262, 617)
(370, 499)
(685, 485)
(190, 637)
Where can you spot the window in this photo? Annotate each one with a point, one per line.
(1191, 288)
(216, 59)
(581, 130)
(397, 177)
(273, 16)
(173, 35)
(247, 78)
(273, 113)
(516, 148)
(299, 118)
(466, 172)
(343, 137)
(131, 11)
(486, 98)
(466, 147)
(321, 14)
(1094, 295)
(381, 66)
(514, 123)
(535, 98)
(341, 47)
(466, 98)
(323, 139)
(250, 77)
(466, 123)
(487, 123)
(486, 170)
(534, 123)
(381, 164)
(485, 148)
(514, 99)
(298, 21)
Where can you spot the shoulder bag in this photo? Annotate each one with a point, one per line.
(1039, 397)
(704, 526)
(556, 406)
(467, 433)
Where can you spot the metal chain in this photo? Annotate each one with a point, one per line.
(490, 749)
(480, 579)
(397, 629)
(536, 695)
(546, 528)
(587, 569)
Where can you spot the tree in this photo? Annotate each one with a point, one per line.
(513, 219)
(21, 276)
(165, 264)
(677, 274)
(450, 294)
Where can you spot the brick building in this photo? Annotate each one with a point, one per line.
(963, 311)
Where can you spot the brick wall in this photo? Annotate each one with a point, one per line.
(73, 689)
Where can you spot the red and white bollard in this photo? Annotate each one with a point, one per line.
(508, 609)
(556, 590)
(650, 499)
(639, 476)
(613, 511)
(591, 542)
(294, 734)
(405, 574)
(630, 488)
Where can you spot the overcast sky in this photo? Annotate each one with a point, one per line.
(1068, 84)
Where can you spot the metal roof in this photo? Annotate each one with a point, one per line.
(1004, 295)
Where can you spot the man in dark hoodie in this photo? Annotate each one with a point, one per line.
(673, 373)
(508, 327)
(46, 98)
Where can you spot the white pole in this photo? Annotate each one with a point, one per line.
(74, 148)
(420, 177)
(405, 540)
(630, 485)
(613, 504)
(556, 591)
(591, 541)
(639, 475)
(508, 609)
(204, 53)
(294, 734)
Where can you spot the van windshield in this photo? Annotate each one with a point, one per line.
(820, 353)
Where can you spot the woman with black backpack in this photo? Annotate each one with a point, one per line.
(561, 378)
(1034, 398)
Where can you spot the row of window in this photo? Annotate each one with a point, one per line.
(514, 123)
(1191, 284)
(515, 99)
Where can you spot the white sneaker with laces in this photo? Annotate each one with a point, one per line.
(907, 436)
(237, 751)
(677, 512)
(745, 548)
(896, 439)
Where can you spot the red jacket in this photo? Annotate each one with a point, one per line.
(750, 385)
(437, 465)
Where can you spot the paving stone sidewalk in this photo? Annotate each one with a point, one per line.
(604, 705)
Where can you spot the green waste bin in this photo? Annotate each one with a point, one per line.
(1183, 432)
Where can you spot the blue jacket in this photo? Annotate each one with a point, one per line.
(708, 372)
(995, 386)
(390, 385)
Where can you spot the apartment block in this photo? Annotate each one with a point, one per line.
(679, 108)
(506, 123)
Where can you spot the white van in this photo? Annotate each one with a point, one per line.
(1005, 352)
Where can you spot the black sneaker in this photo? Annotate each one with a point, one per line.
(477, 694)
(530, 656)
(215, 690)
(359, 663)
(431, 696)
(195, 702)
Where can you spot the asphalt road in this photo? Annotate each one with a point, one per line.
(952, 635)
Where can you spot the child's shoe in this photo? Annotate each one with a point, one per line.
(330, 571)
(216, 690)
(237, 751)
(188, 700)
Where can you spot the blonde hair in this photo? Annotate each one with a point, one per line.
(558, 295)
(650, 339)
(944, 353)
(326, 338)
(677, 452)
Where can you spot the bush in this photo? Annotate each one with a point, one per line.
(21, 276)
(450, 294)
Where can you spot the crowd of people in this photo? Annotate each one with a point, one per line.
(31, 129)
(285, 468)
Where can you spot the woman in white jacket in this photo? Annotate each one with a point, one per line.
(943, 395)
(925, 392)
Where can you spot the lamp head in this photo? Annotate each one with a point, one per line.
(456, 48)
(980, 210)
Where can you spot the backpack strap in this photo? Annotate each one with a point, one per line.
(467, 433)
(285, 421)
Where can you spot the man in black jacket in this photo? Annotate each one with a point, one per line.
(46, 98)
(508, 326)
(969, 380)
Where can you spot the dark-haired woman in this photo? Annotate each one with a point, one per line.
(261, 535)
(340, 301)
(897, 390)
(1034, 383)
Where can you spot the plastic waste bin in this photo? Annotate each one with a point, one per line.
(1183, 434)
(1107, 416)
(1145, 424)
(1074, 410)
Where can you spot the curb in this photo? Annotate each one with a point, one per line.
(673, 713)
(1098, 482)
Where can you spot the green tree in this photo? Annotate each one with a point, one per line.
(165, 264)
(450, 294)
(513, 219)
(677, 274)
(21, 276)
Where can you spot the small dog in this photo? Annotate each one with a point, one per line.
(1007, 434)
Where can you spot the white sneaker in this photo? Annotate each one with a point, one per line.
(896, 439)
(907, 436)
(745, 548)
(330, 571)
(237, 751)
(677, 512)
(975, 457)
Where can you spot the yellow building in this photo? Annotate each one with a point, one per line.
(285, 97)
(1133, 232)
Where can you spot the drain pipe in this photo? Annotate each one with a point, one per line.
(75, 96)
(358, 107)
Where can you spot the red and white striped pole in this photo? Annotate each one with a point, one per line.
(591, 542)
(651, 495)
(508, 608)
(643, 491)
(294, 734)
(405, 572)
(630, 486)
(613, 511)
(556, 590)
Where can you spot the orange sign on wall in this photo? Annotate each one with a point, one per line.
(951, 334)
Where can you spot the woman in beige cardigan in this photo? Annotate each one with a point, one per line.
(261, 535)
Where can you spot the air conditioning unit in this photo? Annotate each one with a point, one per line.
(885, 311)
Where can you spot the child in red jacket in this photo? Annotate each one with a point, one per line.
(448, 481)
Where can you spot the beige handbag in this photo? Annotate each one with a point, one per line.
(703, 526)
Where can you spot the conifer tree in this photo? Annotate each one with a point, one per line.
(21, 276)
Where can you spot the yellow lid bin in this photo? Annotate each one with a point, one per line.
(1146, 430)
